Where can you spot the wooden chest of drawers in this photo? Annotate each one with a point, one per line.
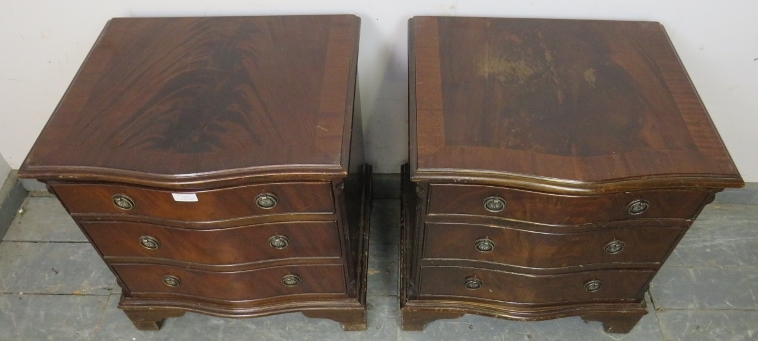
(216, 164)
(554, 165)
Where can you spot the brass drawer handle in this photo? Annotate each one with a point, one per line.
(149, 243)
(484, 245)
(472, 283)
(290, 280)
(171, 281)
(593, 285)
(278, 242)
(637, 206)
(614, 247)
(266, 200)
(494, 204)
(123, 202)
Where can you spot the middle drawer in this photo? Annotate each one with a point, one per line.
(548, 250)
(226, 246)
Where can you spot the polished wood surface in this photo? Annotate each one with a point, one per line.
(620, 323)
(173, 101)
(211, 205)
(151, 319)
(244, 245)
(176, 138)
(572, 104)
(531, 249)
(145, 280)
(553, 209)
(348, 309)
(451, 300)
(512, 287)
(553, 167)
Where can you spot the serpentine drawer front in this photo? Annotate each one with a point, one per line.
(538, 249)
(608, 285)
(553, 167)
(262, 243)
(207, 205)
(214, 172)
(544, 208)
(146, 280)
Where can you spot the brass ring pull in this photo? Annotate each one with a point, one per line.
(614, 247)
(171, 281)
(290, 280)
(637, 207)
(266, 200)
(149, 243)
(593, 285)
(494, 204)
(123, 201)
(484, 245)
(472, 283)
(278, 242)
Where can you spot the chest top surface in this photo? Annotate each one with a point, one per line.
(567, 103)
(181, 100)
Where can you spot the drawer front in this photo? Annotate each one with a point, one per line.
(519, 288)
(211, 205)
(563, 209)
(548, 250)
(232, 286)
(228, 246)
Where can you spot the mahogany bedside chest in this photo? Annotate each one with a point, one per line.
(216, 164)
(554, 165)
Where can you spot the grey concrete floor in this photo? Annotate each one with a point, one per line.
(53, 286)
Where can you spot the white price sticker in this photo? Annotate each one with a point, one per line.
(185, 197)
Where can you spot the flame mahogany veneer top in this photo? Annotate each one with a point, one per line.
(557, 105)
(181, 101)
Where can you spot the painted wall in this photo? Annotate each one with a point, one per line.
(5, 168)
(43, 42)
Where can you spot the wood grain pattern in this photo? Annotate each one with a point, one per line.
(212, 205)
(417, 313)
(220, 111)
(178, 101)
(546, 208)
(146, 281)
(151, 319)
(523, 248)
(618, 285)
(220, 247)
(417, 310)
(350, 319)
(568, 122)
(349, 309)
(620, 323)
(558, 104)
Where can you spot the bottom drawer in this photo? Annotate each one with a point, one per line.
(520, 288)
(232, 286)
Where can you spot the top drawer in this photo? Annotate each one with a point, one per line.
(508, 203)
(210, 205)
